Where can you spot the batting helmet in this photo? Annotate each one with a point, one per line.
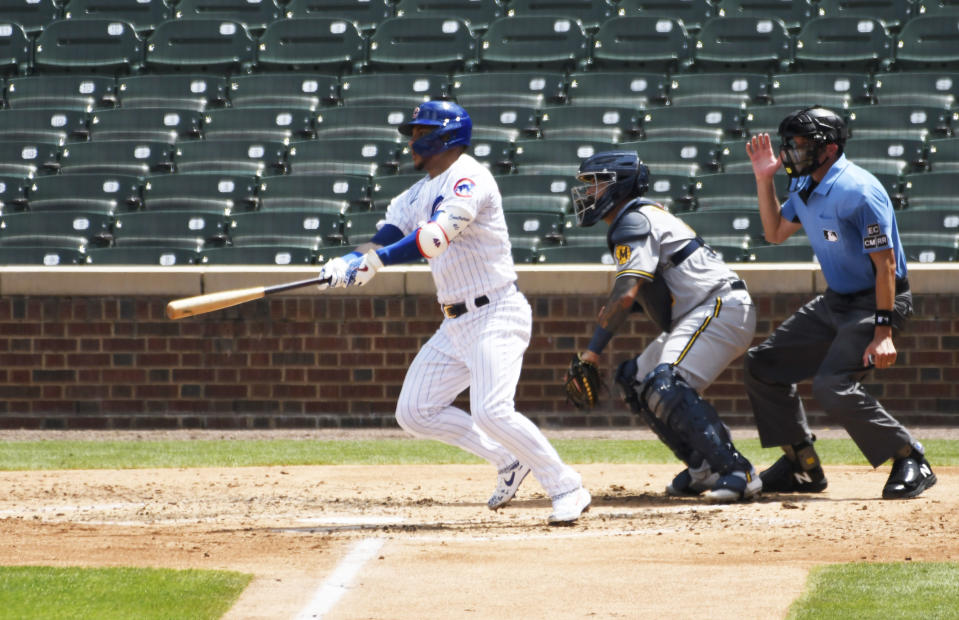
(818, 125)
(609, 177)
(452, 123)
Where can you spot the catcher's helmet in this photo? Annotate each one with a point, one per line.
(612, 176)
(818, 125)
(452, 123)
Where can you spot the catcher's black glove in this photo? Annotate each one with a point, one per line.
(582, 383)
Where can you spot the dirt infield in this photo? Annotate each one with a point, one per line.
(437, 552)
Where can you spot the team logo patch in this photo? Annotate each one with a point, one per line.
(623, 252)
(830, 235)
(416, 111)
(464, 188)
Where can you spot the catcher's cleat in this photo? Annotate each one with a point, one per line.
(909, 477)
(735, 486)
(567, 507)
(786, 476)
(692, 482)
(507, 484)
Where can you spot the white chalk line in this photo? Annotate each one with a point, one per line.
(340, 580)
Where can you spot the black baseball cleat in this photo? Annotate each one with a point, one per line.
(910, 476)
(786, 476)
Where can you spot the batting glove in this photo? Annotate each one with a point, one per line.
(361, 270)
(335, 270)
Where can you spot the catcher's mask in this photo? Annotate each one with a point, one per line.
(819, 127)
(608, 177)
(452, 127)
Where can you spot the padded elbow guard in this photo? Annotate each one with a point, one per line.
(434, 237)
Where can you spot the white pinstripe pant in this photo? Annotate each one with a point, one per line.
(483, 350)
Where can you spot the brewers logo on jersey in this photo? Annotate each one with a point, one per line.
(623, 252)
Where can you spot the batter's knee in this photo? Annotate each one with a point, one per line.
(410, 415)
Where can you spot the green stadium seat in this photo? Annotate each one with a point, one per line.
(88, 45)
(925, 247)
(360, 227)
(94, 193)
(496, 155)
(386, 188)
(201, 44)
(578, 251)
(193, 91)
(534, 229)
(366, 14)
(277, 124)
(292, 227)
(853, 43)
(293, 90)
(254, 15)
(146, 255)
(187, 230)
(643, 43)
(672, 191)
(280, 255)
(733, 154)
(727, 190)
(887, 155)
(532, 89)
(726, 88)
(936, 7)
(792, 13)
(526, 42)
(362, 156)
(45, 256)
(833, 90)
(168, 125)
(28, 158)
(503, 122)
(69, 92)
(15, 49)
(393, 89)
(13, 195)
(759, 44)
(327, 194)
(541, 193)
(684, 157)
(478, 13)
(740, 228)
(524, 256)
(603, 123)
(427, 43)
(369, 122)
(698, 122)
(766, 119)
(899, 121)
(893, 13)
(243, 157)
(143, 15)
(932, 88)
(590, 13)
(692, 13)
(32, 15)
(929, 42)
(944, 155)
(132, 157)
(320, 44)
(931, 191)
(227, 193)
(555, 157)
(795, 252)
(642, 90)
(43, 125)
(934, 222)
(76, 229)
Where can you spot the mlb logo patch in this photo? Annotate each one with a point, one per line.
(464, 188)
(830, 235)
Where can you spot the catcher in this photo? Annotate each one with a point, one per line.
(702, 308)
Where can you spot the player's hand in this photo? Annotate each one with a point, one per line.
(880, 353)
(361, 270)
(765, 162)
(335, 270)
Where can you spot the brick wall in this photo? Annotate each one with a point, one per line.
(319, 361)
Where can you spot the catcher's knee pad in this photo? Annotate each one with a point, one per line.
(681, 409)
(626, 379)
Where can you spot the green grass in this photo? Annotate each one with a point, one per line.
(141, 593)
(37, 455)
(863, 591)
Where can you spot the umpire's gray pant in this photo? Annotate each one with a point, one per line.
(825, 340)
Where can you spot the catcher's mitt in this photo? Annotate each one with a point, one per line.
(582, 383)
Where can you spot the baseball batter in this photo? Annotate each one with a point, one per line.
(701, 306)
(454, 218)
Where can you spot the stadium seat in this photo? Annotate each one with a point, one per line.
(934, 222)
(363, 156)
(94, 193)
(680, 156)
(534, 229)
(276, 124)
(798, 251)
(929, 88)
(893, 13)
(698, 122)
(929, 42)
(925, 247)
(899, 121)
(576, 251)
(243, 157)
(27, 158)
(602, 123)
(532, 89)
(672, 191)
(88, 45)
(734, 157)
(289, 227)
(386, 188)
(503, 122)
(366, 14)
(193, 91)
(726, 191)
(369, 122)
(766, 119)
(931, 191)
(739, 228)
(590, 13)
(478, 13)
(245, 254)
(792, 13)
(226, 193)
(360, 227)
(43, 125)
(45, 256)
(15, 49)
(151, 124)
(555, 157)
(294, 90)
(726, 88)
(143, 15)
(758, 44)
(944, 155)
(649, 44)
(642, 90)
(73, 229)
(187, 230)
(692, 13)
(200, 44)
(255, 15)
(853, 43)
(496, 155)
(327, 194)
(537, 192)
(936, 7)
(833, 90)
(32, 15)
(147, 255)
(426, 43)
(526, 42)
(69, 92)
(131, 157)
(318, 44)
(393, 89)
(887, 155)
(13, 195)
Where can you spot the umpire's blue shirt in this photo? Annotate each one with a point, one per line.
(847, 216)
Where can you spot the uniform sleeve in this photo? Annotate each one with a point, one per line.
(635, 249)
(468, 193)
(875, 220)
(399, 214)
(788, 211)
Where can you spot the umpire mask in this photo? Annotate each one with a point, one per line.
(819, 127)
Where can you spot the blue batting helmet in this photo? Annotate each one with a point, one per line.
(609, 178)
(452, 123)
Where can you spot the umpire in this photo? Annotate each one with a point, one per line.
(836, 338)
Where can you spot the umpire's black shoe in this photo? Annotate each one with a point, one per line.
(910, 476)
(786, 476)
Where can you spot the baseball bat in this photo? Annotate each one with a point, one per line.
(201, 304)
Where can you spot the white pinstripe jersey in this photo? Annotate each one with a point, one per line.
(479, 260)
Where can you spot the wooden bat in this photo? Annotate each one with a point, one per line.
(201, 304)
